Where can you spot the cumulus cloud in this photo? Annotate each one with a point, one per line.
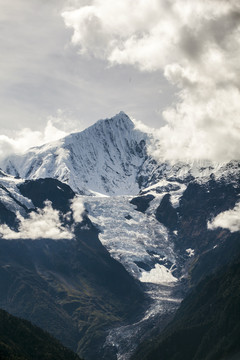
(228, 220)
(77, 207)
(20, 141)
(43, 224)
(196, 44)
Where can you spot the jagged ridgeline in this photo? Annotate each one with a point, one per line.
(101, 241)
(104, 158)
(111, 157)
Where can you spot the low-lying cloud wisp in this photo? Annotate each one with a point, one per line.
(77, 207)
(227, 220)
(44, 223)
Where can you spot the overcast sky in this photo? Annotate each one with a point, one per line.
(172, 64)
(42, 72)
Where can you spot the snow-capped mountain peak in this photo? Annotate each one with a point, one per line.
(111, 157)
(104, 158)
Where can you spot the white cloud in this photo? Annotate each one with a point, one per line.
(45, 223)
(196, 44)
(20, 141)
(228, 220)
(141, 126)
(42, 224)
(77, 207)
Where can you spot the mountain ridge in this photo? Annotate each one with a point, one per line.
(112, 157)
(103, 158)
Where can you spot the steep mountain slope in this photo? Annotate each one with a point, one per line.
(20, 340)
(207, 324)
(156, 169)
(11, 198)
(187, 222)
(104, 158)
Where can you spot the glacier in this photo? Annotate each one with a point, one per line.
(143, 246)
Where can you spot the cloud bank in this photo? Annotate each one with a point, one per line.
(44, 223)
(228, 220)
(196, 44)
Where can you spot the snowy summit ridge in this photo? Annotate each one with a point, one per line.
(112, 157)
(104, 158)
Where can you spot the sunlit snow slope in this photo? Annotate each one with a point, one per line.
(105, 158)
(112, 157)
(10, 195)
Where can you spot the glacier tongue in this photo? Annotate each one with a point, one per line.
(135, 239)
(142, 245)
(125, 339)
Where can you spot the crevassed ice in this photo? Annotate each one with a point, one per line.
(139, 238)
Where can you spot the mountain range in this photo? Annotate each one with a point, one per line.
(101, 241)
